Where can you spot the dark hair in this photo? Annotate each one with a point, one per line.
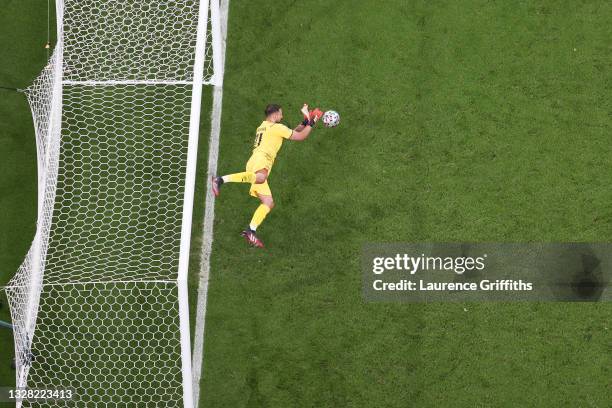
(272, 108)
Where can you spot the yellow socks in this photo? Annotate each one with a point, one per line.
(244, 177)
(259, 216)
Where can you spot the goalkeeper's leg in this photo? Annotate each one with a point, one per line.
(245, 177)
(267, 203)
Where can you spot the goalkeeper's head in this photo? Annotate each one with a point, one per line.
(274, 113)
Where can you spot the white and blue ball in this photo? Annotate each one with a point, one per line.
(331, 119)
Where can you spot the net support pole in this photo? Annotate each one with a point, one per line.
(6, 325)
(192, 149)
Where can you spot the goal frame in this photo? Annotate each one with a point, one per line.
(34, 284)
(188, 199)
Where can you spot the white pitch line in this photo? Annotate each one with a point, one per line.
(209, 215)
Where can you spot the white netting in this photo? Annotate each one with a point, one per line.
(121, 184)
(44, 97)
(132, 40)
(115, 344)
(95, 304)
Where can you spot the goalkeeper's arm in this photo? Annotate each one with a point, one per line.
(302, 130)
(299, 135)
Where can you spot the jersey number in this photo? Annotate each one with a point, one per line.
(258, 139)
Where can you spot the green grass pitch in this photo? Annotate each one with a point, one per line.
(461, 121)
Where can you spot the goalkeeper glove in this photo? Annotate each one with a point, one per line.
(315, 115)
(310, 118)
(305, 112)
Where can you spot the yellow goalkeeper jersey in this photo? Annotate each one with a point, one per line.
(269, 138)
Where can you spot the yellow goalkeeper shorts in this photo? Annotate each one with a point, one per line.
(256, 163)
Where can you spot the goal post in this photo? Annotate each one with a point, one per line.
(100, 303)
(192, 151)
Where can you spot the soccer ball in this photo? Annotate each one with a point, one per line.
(331, 119)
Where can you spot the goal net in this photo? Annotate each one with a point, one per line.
(99, 305)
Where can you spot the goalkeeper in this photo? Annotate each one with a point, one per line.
(268, 141)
